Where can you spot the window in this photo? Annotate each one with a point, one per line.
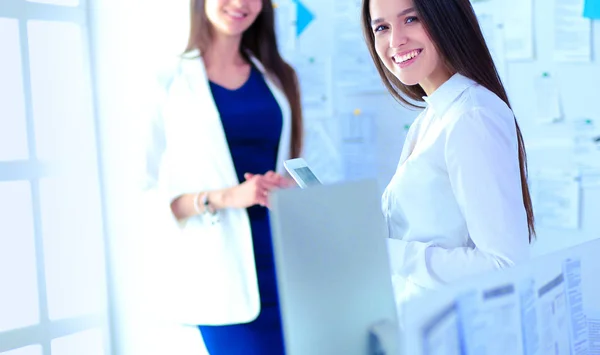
(52, 250)
(13, 131)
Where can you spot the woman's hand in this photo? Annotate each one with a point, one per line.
(278, 180)
(255, 189)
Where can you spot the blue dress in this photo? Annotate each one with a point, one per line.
(252, 121)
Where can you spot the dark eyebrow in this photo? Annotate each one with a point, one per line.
(402, 13)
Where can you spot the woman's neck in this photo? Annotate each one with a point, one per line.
(224, 52)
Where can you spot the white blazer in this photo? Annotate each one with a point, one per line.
(211, 277)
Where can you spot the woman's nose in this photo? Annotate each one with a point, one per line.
(398, 38)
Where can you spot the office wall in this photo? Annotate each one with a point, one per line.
(552, 146)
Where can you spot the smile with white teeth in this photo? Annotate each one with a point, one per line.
(236, 14)
(399, 59)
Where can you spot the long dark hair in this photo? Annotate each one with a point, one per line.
(454, 29)
(259, 39)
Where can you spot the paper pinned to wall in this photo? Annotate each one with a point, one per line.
(321, 152)
(493, 30)
(586, 142)
(586, 150)
(556, 198)
(314, 75)
(358, 146)
(590, 179)
(572, 32)
(285, 26)
(547, 99)
(518, 29)
(354, 70)
(347, 7)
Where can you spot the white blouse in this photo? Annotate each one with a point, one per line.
(454, 208)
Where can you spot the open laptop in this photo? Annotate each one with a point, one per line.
(332, 267)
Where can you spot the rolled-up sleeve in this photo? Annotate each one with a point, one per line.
(481, 156)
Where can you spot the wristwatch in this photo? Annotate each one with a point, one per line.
(208, 208)
(202, 199)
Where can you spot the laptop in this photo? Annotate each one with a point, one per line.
(332, 266)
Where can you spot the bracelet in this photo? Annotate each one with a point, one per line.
(196, 206)
(214, 217)
(205, 203)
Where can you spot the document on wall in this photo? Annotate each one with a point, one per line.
(578, 327)
(285, 27)
(518, 29)
(547, 99)
(593, 320)
(492, 321)
(529, 319)
(441, 335)
(572, 32)
(347, 7)
(321, 151)
(493, 30)
(553, 316)
(556, 198)
(358, 146)
(590, 177)
(354, 70)
(586, 149)
(314, 75)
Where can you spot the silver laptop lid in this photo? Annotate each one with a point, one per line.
(332, 267)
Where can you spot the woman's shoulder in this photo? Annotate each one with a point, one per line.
(478, 101)
(166, 69)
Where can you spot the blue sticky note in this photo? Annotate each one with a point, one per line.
(592, 9)
(304, 17)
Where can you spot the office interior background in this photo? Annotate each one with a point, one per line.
(74, 78)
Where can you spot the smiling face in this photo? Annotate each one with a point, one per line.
(403, 45)
(232, 17)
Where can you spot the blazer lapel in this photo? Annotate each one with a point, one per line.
(202, 105)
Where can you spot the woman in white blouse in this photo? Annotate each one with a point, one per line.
(459, 203)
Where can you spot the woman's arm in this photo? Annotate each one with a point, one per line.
(483, 167)
(253, 191)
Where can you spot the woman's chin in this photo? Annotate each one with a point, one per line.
(408, 80)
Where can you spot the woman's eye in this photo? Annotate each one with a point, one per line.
(411, 19)
(379, 28)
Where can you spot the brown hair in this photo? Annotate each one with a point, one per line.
(260, 41)
(454, 29)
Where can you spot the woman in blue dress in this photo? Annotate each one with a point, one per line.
(229, 116)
